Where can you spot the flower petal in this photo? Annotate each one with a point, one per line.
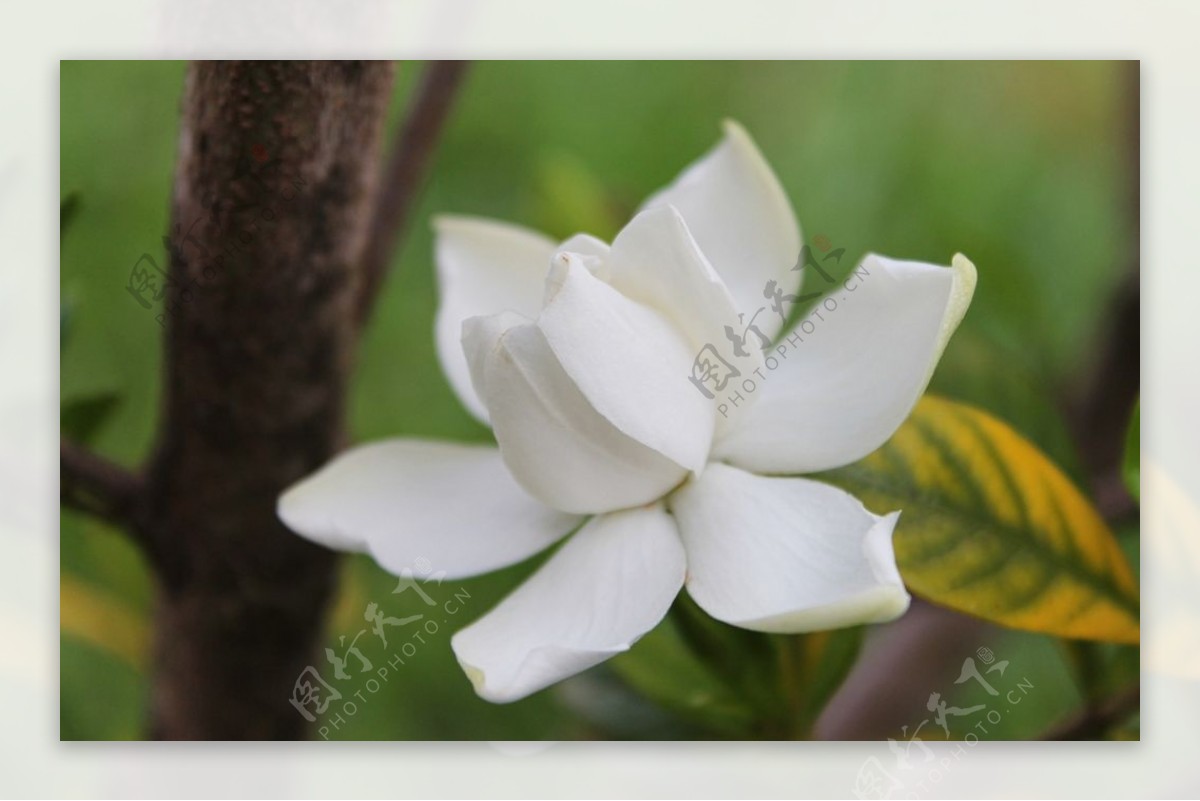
(483, 267)
(480, 335)
(399, 501)
(558, 447)
(847, 379)
(609, 584)
(741, 218)
(785, 554)
(629, 361)
(656, 261)
(594, 251)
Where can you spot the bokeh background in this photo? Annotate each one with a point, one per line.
(1023, 166)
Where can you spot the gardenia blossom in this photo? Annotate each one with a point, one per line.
(578, 355)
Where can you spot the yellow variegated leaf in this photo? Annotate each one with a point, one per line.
(991, 527)
(103, 621)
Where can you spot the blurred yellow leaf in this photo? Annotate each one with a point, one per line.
(102, 621)
(989, 526)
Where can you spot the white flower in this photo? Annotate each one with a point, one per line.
(579, 356)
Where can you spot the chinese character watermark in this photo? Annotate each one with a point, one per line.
(398, 640)
(714, 375)
(917, 767)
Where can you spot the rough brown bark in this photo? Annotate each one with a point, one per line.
(279, 241)
(270, 211)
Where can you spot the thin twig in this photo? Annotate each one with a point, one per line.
(405, 173)
(96, 486)
(1093, 723)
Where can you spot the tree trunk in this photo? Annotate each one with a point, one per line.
(271, 206)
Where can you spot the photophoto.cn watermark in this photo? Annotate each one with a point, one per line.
(356, 675)
(914, 769)
(715, 376)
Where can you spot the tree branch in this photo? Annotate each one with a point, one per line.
(277, 168)
(1094, 722)
(405, 173)
(96, 486)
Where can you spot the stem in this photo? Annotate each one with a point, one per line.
(96, 486)
(406, 169)
(792, 663)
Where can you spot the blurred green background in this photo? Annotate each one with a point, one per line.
(1020, 165)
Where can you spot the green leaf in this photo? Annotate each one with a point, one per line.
(1131, 470)
(989, 526)
(828, 657)
(80, 418)
(615, 711)
(661, 668)
(742, 659)
(738, 682)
